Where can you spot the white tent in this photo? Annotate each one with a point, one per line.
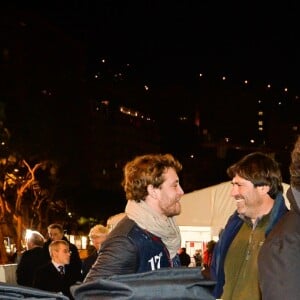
(208, 208)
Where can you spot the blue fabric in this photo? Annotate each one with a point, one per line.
(164, 284)
(231, 229)
(14, 292)
(152, 251)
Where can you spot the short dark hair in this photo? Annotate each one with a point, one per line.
(261, 169)
(56, 226)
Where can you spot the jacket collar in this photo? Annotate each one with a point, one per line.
(293, 196)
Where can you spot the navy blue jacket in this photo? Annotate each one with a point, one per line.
(231, 229)
(130, 249)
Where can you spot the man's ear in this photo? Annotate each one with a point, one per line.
(152, 191)
(264, 189)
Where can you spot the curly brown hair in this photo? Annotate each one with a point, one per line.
(146, 170)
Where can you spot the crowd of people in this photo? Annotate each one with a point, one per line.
(257, 255)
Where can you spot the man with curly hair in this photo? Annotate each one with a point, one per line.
(147, 238)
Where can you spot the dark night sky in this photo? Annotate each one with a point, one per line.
(172, 40)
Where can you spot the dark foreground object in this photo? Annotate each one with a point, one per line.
(10, 292)
(173, 283)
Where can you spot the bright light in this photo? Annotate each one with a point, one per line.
(72, 239)
(83, 242)
(28, 234)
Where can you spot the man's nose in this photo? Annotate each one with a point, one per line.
(181, 192)
(234, 191)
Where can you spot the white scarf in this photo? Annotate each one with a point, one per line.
(161, 226)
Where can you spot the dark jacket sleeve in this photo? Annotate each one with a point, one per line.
(41, 280)
(88, 262)
(279, 259)
(75, 262)
(118, 255)
(21, 274)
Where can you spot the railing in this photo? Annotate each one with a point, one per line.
(8, 273)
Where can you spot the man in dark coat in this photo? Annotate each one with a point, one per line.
(56, 232)
(56, 276)
(279, 258)
(185, 259)
(31, 259)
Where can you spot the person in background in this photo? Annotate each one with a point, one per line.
(279, 257)
(198, 258)
(147, 238)
(97, 235)
(207, 257)
(185, 259)
(56, 275)
(56, 232)
(258, 192)
(113, 220)
(31, 259)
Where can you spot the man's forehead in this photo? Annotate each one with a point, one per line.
(63, 247)
(171, 174)
(238, 179)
